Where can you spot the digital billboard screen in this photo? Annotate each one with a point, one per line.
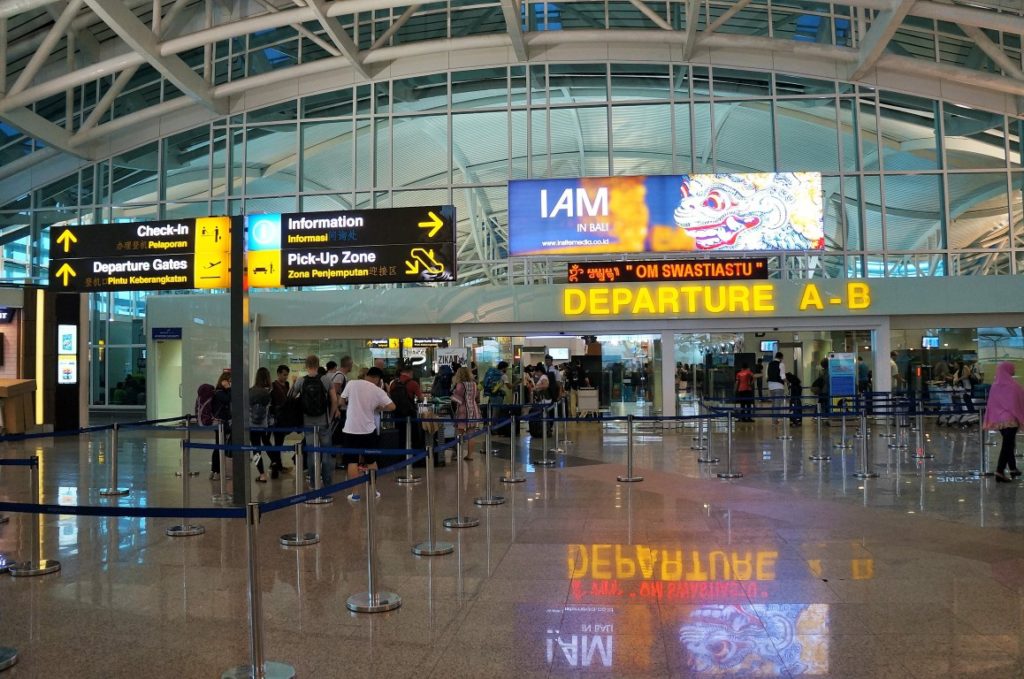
(667, 213)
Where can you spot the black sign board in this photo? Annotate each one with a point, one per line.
(669, 270)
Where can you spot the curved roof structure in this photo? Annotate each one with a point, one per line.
(79, 73)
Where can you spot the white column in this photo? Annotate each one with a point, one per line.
(881, 377)
(668, 374)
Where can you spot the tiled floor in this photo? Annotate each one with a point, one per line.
(795, 569)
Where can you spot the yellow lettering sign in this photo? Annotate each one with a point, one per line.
(858, 295)
(811, 298)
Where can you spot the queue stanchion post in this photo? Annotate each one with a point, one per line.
(488, 499)
(318, 470)
(866, 465)
(188, 439)
(372, 600)
(630, 477)
(544, 461)
(409, 476)
(565, 422)
(112, 488)
(299, 538)
(702, 422)
(513, 475)
(843, 443)
(557, 450)
(729, 473)
(785, 436)
(185, 529)
(459, 520)
(920, 452)
(431, 547)
(259, 667)
(710, 448)
(982, 470)
(862, 421)
(222, 494)
(821, 455)
(37, 565)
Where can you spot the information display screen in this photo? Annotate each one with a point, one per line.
(667, 213)
(668, 270)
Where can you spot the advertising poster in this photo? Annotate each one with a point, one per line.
(669, 213)
(842, 375)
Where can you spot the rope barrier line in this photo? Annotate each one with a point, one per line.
(132, 512)
(20, 462)
(239, 447)
(292, 500)
(375, 452)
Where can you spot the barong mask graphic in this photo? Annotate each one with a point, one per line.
(730, 212)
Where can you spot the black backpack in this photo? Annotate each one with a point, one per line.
(404, 407)
(313, 396)
(554, 388)
(775, 371)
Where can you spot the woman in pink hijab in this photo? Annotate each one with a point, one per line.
(1005, 412)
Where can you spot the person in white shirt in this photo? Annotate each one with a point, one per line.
(363, 400)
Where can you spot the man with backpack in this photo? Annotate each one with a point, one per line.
(405, 392)
(317, 401)
(338, 379)
(496, 384)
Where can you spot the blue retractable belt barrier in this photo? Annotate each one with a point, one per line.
(373, 452)
(401, 464)
(20, 462)
(244, 449)
(274, 505)
(138, 512)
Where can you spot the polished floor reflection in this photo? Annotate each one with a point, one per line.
(796, 569)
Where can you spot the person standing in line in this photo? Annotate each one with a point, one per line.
(796, 392)
(318, 401)
(864, 384)
(1005, 412)
(221, 415)
(364, 401)
(259, 420)
(466, 398)
(541, 382)
(776, 386)
(745, 393)
(279, 408)
(894, 373)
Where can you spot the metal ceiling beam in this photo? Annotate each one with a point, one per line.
(729, 13)
(142, 41)
(53, 36)
(510, 9)
(40, 128)
(884, 26)
(652, 15)
(339, 37)
(994, 52)
(692, 14)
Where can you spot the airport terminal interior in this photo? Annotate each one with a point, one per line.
(640, 200)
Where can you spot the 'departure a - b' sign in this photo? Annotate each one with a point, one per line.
(389, 245)
(173, 254)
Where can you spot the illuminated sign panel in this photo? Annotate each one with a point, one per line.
(668, 270)
(179, 254)
(671, 213)
(695, 299)
(393, 245)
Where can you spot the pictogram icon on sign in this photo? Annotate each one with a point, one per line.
(434, 224)
(422, 256)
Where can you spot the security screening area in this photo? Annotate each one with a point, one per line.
(511, 340)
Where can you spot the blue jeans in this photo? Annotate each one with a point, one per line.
(326, 461)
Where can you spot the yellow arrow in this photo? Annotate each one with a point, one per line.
(434, 224)
(412, 267)
(65, 270)
(66, 239)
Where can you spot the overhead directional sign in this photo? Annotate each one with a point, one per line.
(175, 254)
(391, 245)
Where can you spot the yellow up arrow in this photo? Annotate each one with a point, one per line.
(65, 270)
(66, 239)
(434, 224)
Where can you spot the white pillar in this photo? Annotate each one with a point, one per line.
(881, 377)
(668, 374)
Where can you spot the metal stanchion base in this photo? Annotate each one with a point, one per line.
(489, 501)
(219, 498)
(114, 491)
(367, 602)
(978, 474)
(433, 549)
(819, 458)
(698, 447)
(887, 436)
(271, 670)
(178, 474)
(923, 456)
(325, 500)
(299, 539)
(629, 479)
(32, 568)
(842, 444)
(556, 451)
(865, 475)
(786, 437)
(543, 462)
(730, 475)
(5, 563)
(513, 479)
(408, 480)
(8, 658)
(184, 530)
(4, 518)
(707, 460)
(460, 522)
